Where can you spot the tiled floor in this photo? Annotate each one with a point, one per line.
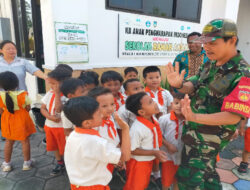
(39, 179)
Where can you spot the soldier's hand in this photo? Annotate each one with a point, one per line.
(186, 109)
(175, 79)
(161, 155)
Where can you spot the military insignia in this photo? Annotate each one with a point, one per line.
(207, 29)
(244, 96)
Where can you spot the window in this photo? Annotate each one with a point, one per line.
(22, 14)
(178, 9)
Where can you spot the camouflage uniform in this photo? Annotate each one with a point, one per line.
(202, 143)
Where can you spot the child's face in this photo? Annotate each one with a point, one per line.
(149, 106)
(96, 121)
(131, 75)
(134, 88)
(106, 105)
(79, 92)
(114, 86)
(153, 80)
(53, 83)
(176, 106)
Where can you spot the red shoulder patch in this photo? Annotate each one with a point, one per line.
(238, 100)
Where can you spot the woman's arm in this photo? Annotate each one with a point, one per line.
(40, 74)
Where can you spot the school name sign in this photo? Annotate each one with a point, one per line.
(142, 36)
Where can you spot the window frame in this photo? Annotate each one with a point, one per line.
(122, 9)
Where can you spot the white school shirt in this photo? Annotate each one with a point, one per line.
(248, 123)
(122, 90)
(167, 100)
(46, 100)
(86, 157)
(142, 137)
(103, 131)
(67, 124)
(168, 128)
(126, 115)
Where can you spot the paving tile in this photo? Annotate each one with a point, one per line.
(44, 172)
(6, 184)
(43, 161)
(237, 152)
(227, 154)
(59, 182)
(18, 174)
(226, 186)
(245, 176)
(32, 183)
(237, 161)
(34, 152)
(17, 162)
(226, 176)
(2, 145)
(242, 185)
(225, 164)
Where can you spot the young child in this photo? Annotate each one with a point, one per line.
(16, 122)
(87, 154)
(71, 88)
(246, 153)
(131, 86)
(152, 79)
(171, 127)
(129, 73)
(107, 129)
(90, 79)
(146, 138)
(113, 81)
(51, 109)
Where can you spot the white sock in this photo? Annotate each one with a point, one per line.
(27, 162)
(157, 174)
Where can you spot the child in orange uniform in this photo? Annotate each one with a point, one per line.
(51, 109)
(16, 122)
(171, 126)
(146, 138)
(87, 154)
(108, 128)
(113, 81)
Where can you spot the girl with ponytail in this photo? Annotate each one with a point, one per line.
(15, 120)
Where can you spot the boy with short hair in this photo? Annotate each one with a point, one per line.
(90, 79)
(51, 109)
(131, 86)
(107, 129)
(129, 73)
(87, 154)
(146, 138)
(171, 126)
(71, 88)
(113, 81)
(246, 152)
(152, 79)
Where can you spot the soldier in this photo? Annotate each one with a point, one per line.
(211, 122)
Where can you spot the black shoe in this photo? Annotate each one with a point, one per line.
(58, 169)
(44, 142)
(243, 168)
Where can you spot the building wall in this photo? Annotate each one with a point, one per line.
(244, 28)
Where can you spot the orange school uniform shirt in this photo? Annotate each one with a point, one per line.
(17, 126)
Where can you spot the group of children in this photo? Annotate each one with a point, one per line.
(94, 128)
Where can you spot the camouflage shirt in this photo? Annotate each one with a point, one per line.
(212, 84)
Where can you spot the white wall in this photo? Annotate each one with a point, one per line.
(244, 28)
(103, 29)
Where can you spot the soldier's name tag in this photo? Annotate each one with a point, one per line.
(238, 101)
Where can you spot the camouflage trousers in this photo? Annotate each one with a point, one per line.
(201, 146)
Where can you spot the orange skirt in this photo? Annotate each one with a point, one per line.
(17, 126)
(138, 174)
(93, 187)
